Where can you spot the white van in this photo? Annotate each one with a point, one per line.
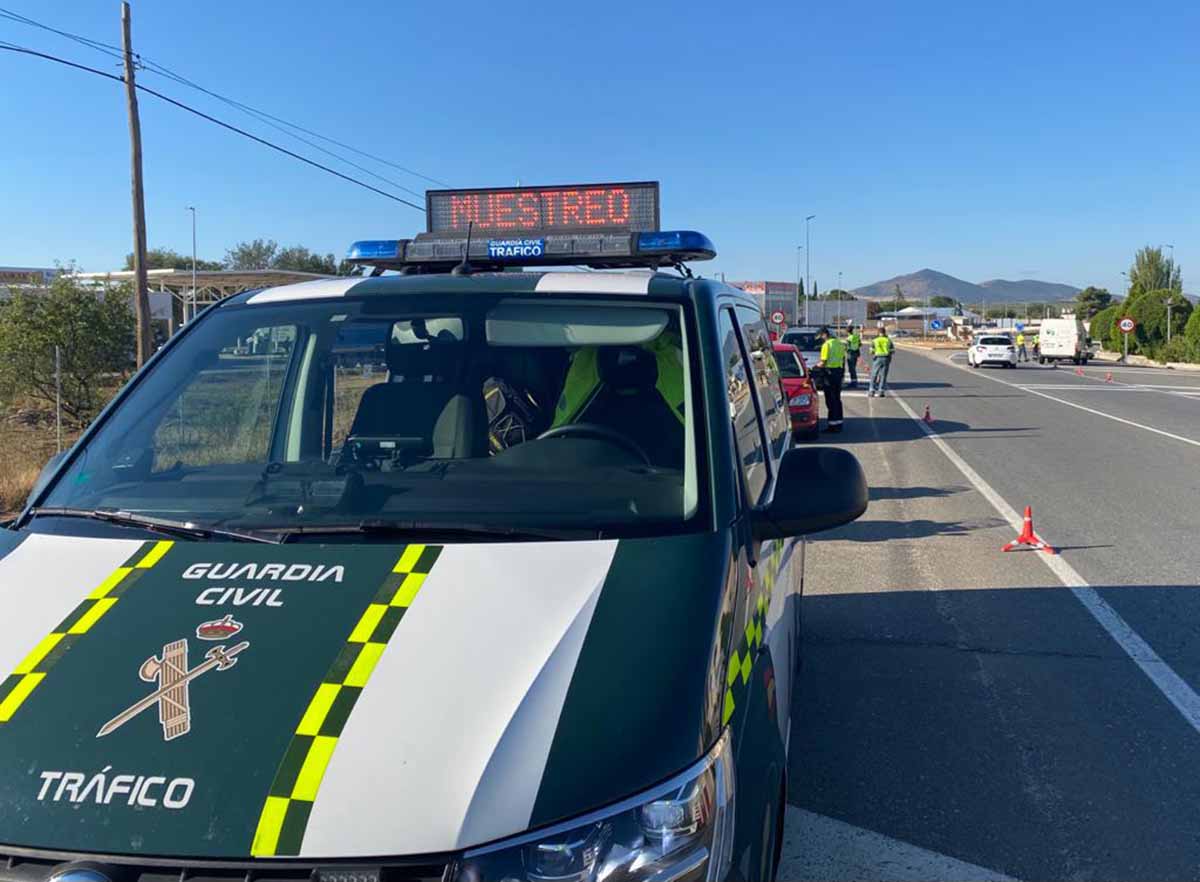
(1063, 339)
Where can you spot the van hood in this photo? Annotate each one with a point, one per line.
(200, 699)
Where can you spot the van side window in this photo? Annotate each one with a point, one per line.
(766, 380)
(750, 441)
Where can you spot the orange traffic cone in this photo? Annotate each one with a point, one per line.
(928, 418)
(1028, 537)
(1108, 377)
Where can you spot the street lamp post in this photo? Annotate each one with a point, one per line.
(807, 265)
(192, 209)
(838, 308)
(800, 292)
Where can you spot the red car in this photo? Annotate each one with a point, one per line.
(803, 404)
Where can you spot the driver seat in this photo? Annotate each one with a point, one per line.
(628, 401)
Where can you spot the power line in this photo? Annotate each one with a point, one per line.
(10, 47)
(261, 115)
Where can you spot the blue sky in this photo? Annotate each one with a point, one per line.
(992, 140)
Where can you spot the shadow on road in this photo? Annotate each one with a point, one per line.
(862, 429)
(1003, 727)
(881, 531)
(913, 492)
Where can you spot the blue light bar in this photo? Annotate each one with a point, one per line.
(680, 244)
(374, 249)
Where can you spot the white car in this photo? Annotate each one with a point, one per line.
(805, 339)
(992, 349)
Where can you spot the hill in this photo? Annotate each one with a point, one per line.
(931, 283)
(1029, 289)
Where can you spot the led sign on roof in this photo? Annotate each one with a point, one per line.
(601, 208)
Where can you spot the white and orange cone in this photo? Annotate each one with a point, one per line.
(1028, 537)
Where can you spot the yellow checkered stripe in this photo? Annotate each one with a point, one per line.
(29, 674)
(285, 813)
(741, 660)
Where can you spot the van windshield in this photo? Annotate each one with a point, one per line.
(483, 410)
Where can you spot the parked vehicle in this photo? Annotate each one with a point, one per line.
(1063, 339)
(334, 612)
(806, 342)
(803, 401)
(993, 349)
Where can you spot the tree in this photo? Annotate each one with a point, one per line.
(1091, 300)
(94, 330)
(1192, 329)
(941, 301)
(1102, 324)
(873, 309)
(261, 254)
(836, 294)
(256, 255)
(900, 302)
(166, 258)
(1153, 271)
(299, 259)
(1149, 310)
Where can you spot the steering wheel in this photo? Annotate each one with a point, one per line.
(603, 433)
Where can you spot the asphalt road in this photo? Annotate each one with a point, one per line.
(961, 713)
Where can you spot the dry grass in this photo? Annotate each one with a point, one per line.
(23, 452)
(225, 419)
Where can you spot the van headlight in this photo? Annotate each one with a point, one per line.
(681, 830)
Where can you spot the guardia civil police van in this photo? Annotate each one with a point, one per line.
(447, 572)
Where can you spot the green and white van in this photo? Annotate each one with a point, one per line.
(488, 576)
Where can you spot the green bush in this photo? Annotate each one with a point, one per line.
(1180, 349)
(94, 331)
(1149, 310)
(1192, 329)
(1102, 323)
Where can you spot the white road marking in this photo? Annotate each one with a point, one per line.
(820, 847)
(1170, 684)
(1113, 387)
(1108, 416)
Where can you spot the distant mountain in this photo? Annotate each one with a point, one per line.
(931, 283)
(1029, 289)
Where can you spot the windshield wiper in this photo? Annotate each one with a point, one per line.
(167, 526)
(434, 531)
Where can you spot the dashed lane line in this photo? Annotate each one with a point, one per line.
(1173, 687)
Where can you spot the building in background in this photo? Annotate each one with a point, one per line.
(781, 297)
(18, 277)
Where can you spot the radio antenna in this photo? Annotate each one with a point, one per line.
(464, 268)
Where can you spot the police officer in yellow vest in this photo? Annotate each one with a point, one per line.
(833, 360)
(881, 347)
(853, 347)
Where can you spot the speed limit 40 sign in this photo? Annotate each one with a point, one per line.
(1126, 325)
(777, 317)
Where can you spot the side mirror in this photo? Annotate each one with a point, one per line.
(44, 475)
(818, 488)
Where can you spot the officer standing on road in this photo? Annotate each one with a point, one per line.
(882, 348)
(853, 346)
(1022, 352)
(833, 360)
(1037, 345)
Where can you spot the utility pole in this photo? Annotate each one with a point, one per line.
(141, 299)
(192, 209)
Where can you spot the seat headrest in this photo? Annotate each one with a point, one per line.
(627, 367)
(437, 357)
